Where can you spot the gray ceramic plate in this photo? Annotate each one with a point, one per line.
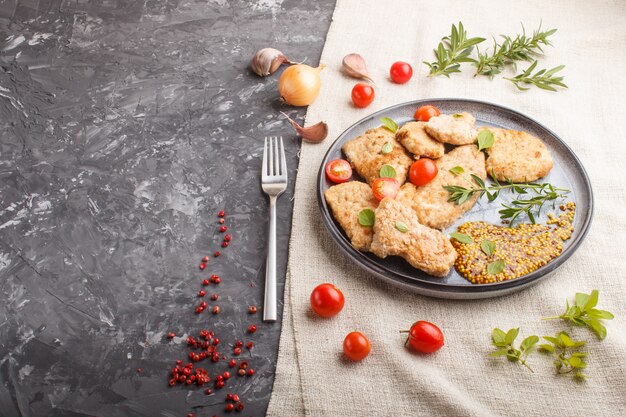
(568, 173)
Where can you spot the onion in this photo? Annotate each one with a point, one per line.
(299, 84)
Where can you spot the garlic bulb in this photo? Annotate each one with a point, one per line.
(299, 85)
(267, 60)
(313, 134)
(353, 65)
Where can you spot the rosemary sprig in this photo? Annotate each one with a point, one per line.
(452, 51)
(544, 79)
(530, 206)
(519, 48)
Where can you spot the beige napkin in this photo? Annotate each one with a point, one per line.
(461, 379)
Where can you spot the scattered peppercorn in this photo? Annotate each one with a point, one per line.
(202, 266)
(216, 309)
(252, 310)
(216, 254)
(201, 293)
(222, 229)
(214, 297)
(251, 328)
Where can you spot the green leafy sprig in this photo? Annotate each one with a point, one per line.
(452, 51)
(512, 49)
(583, 313)
(531, 206)
(566, 357)
(504, 343)
(544, 79)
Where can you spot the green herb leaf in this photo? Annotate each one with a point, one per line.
(495, 267)
(498, 336)
(387, 148)
(567, 359)
(511, 50)
(367, 217)
(461, 237)
(387, 171)
(457, 170)
(511, 335)
(544, 79)
(401, 227)
(485, 139)
(457, 115)
(582, 313)
(530, 206)
(390, 124)
(488, 247)
(452, 51)
(504, 343)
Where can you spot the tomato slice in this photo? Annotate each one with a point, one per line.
(423, 171)
(424, 113)
(385, 187)
(338, 171)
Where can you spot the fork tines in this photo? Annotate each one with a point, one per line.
(274, 162)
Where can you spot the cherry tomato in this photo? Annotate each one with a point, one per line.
(362, 95)
(338, 170)
(425, 337)
(385, 187)
(424, 113)
(422, 171)
(356, 346)
(400, 72)
(327, 300)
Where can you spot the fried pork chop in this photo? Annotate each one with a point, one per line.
(365, 153)
(456, 129)
(414, 138)
(517, 156)
(430, 201)
(346, 201)
(424, 248)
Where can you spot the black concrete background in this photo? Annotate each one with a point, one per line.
(125, 126)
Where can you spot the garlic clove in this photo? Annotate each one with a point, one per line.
(353, 65)
(312, 134)
(267, 60)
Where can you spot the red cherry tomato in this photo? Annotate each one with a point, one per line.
(422, 171)
(385, 187)
(327, 300)
(356, 346)
(425, 337)
(400, 72)
(424, 113)
(338, 170)
(362, 95)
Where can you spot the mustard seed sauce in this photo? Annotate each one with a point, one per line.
(523, 248)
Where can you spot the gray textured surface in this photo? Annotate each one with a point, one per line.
(125, 126)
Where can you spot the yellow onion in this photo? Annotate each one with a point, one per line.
(299, 84)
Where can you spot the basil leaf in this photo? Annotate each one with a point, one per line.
(367, 217)
(390, 124)
(457, 170)
(387, 148)
(495, 267)
(488, 247)
(457, 115)
(387, 171)
(485, 139)
(401, 227)
(461, 237)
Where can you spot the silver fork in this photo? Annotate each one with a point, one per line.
(273, 182)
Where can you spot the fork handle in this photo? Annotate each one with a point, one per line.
(269, 303)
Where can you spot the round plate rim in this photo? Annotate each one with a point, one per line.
(438, 289)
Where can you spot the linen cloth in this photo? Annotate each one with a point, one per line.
(461, 379)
